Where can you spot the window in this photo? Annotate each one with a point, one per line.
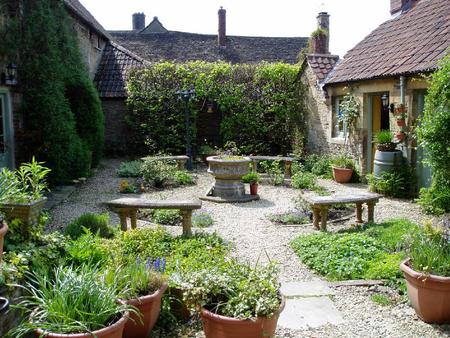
(339, 127)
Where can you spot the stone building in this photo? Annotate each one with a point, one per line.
(384, 70)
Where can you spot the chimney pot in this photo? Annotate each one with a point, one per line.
(222, 36)
(138, 21)
(320, 41)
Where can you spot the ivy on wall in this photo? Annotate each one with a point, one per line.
(261, 105)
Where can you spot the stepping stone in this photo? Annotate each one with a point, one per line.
(305, 289)
(309, 312)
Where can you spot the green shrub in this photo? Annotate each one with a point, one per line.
(273, 169)
(436, 199)
(158, 173)
(319, 165)
(130, 169)
(93, 222)
(166, 216)
(399, 183)
(304, 180)
(202, 219)
(87, 249)
(343, 162)
(251, 178)
(385, 266)
(182, 177)
(383, 137)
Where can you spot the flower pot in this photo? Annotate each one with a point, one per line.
(254, 189)
(3, 230)
(115, 330)
(342, 175)
(399, 110)
(429, 294)
(150, 307)
(400, 136)
(217, 326)
(28, 213)
(401, 123)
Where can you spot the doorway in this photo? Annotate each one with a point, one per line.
(378, 119)
(423, 171)
(6, 132)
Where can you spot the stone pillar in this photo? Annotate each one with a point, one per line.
(222, 36)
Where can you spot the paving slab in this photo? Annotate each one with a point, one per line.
(311, 312)
(305, 289)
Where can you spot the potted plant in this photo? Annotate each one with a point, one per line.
(143, 286)
(400, 109)
(401, 120)
(342, 167)
(73, 303)
(28, 199)
(427, 273)
(235, 300)
(387, 157)
(252, 179)
(400, 135)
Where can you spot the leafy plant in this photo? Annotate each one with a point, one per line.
(383, 137)
(290, 218)
(158, 173)
(304, 180)
(202, 219)
(435, 200)
(251, 178)
(87, 249)
(318, 165)
(182, 177)
(234, 290)
(343, 162)
(93, 222)
(130, 169)
(381, 299)
(350, 111)
(126, 188)
(397, 183)
(166, 216)
(76, 300)
(273, 169)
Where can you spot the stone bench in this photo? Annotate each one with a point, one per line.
(128, 207)
(287, 163)
(321, 204)
(181, 159)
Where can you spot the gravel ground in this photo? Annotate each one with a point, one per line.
(256, 238)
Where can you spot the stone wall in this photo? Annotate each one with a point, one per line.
(116, 129)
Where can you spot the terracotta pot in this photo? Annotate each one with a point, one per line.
(400, 136)
(401, 123)
(254, 189)
(399, 110)
(150, 307)
(429, 294)
(113, 331)
(3, 230)
(342, 175)
(217, 326)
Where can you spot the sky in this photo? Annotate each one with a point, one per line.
(350, 20)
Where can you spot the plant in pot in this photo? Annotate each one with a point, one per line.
(235, 300)
(427, 273)
(28, 199)
(72, 303)
(401, 120)
(142, 285)
(252, 179)
(342, 168)
(387, 157)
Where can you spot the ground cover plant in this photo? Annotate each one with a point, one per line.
(166, 217)
(295, 217)
(371, 252)
(202, 219)
(130, 169)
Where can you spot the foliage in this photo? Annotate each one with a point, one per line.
(182, 177)
(158, 173)
(74, 301)
(261, 104)
(434, 135)
(234, 290)
(319, 166)
(350, 111)
(397, 183)
(251, 178)
(273, 169)
(343, 162)
(63, 121)
(361, 253)
(429, 250)
(290, 218)
(206, 149)
(130, 169)
(135, 278)
(166, 216)
(381, 299)
(87, 249)
(126, 188)
(202, 219)
(93, 222)
(304, 180)
(25, 184)
(383, 137)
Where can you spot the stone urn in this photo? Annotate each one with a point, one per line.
(228, 185)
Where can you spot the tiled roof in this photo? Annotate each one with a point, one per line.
(111, 74)
(321, 64)
(410, 43)
(79, 10)
(182, 47)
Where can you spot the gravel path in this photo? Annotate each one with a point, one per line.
(256, 238)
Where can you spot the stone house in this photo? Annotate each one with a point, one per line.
(384, 70)
(93, 39)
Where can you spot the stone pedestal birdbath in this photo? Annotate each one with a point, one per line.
(228, 186)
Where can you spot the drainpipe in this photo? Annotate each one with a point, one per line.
(402, 89)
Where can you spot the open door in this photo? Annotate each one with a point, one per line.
(6, 132)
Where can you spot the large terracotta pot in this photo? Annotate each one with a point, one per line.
(429, 294)
(150, 307)
(217, 326)
(3, 230)
(113, 331)
(342, 175)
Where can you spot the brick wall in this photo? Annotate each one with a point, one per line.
(116, 129)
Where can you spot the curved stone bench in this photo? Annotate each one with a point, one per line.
(320, 205)
(128, 207)
(181, 159)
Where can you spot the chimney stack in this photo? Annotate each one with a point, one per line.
(222, 36)
(138, 21)
(397, 6)
(320, 39)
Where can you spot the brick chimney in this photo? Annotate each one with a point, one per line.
(398, 6)
(320, 39)
(138, 21)
(222, 36)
